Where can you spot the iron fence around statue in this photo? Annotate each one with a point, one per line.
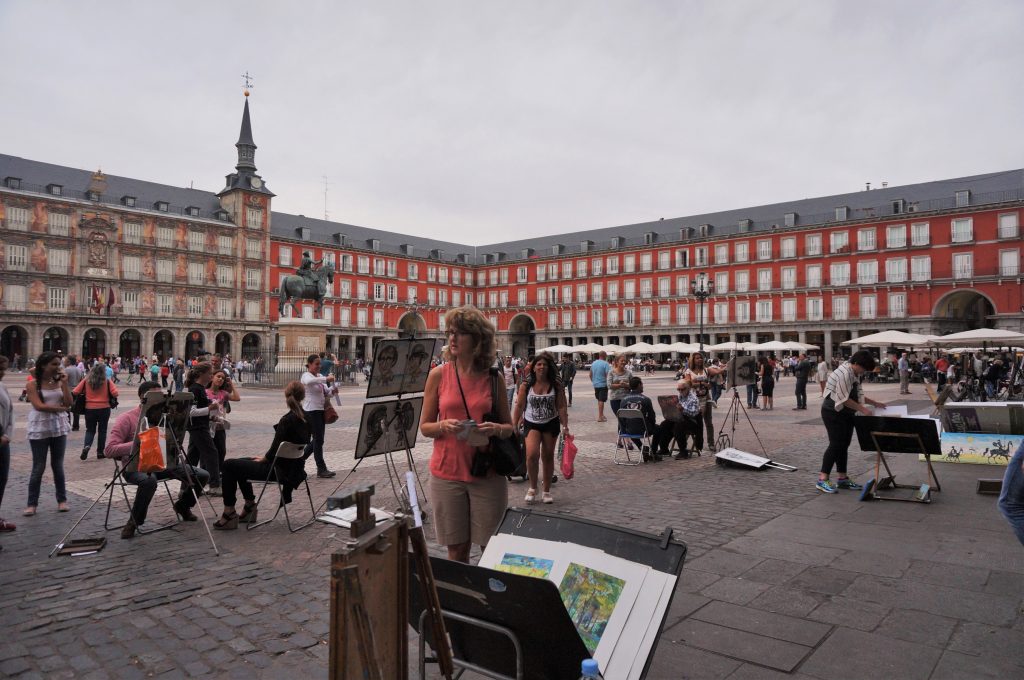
(273, 369)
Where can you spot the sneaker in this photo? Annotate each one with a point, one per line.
(825, 486)
(547, 498)
(326, 474)
(847, 483)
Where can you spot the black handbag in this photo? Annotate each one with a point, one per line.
(111, 399)
(506, 456)
(78, 405)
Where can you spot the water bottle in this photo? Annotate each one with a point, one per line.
(590, 670)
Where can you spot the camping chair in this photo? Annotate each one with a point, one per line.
(631, 419)
(118, 480)
(285, 451)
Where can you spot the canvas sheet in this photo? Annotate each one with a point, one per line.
(892, 411)
(600, 592)
(976, 447)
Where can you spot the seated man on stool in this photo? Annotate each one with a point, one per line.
(119, 446)
(688, 426)
(636, 400)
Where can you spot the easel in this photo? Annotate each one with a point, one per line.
(732, 418)
(157, 403)
(898, 435)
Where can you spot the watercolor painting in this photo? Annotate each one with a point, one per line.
(977, 447)
(590, 597)
(525, 565)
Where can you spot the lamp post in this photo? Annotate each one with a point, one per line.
(702, 287)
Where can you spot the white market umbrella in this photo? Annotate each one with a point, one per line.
(800, 346)
(557, 349)
(614, 349)
(683, 347)
(978, 335)
(770, 346)
(589, 348)
(661, 347)
(890, 339)
(640, 348)
(730, 346)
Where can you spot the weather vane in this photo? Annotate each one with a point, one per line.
(248, 82)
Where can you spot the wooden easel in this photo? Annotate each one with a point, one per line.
(923, 493)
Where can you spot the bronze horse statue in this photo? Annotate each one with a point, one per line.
(314, 288)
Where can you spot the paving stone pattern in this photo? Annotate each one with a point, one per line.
(778, 583)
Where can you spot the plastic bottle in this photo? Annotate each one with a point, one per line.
(590, 669)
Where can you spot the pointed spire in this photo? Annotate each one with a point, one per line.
(246, 147)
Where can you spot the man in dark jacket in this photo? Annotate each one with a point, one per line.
(636, 400)
(802, 371)
(567, 372)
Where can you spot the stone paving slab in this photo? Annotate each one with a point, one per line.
(776, 626)
(738, 644)
(854, 655)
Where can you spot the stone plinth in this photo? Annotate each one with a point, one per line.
(298, 338)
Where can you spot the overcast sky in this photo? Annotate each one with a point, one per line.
(480, 122)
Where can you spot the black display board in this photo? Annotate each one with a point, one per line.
(925, 428)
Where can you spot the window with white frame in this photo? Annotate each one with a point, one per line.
(456, 298)
(868, 307)
(703, 312)
(682, 315)
(963, 265)
(839, 241)
(542, 272)
(411, 294)
(721, 282)
(1009, 262)
(521, 275)
(897, 305)
(596, 318)
(722, 253)
(432, 296)
(57, 299)
(613, 316)
(378, 292)
(345, 289)
(492, 299)
(363, 265)
(521, 294)
(457, 277)
(59, 223)
(581, 318)
(253, 218)
(432, 275)
(839, 274)
(131, 267)
(284, 256)
(254, 249)
(165, 237)
(59, 260)
(581, 292)
(379, 267)
(613, 264)
(392, 271)
(328, 314)
(789, 310)
(442, 298)
(165, 271)
(664, 259)
(361, 318)
(700, 256)
(252, 310)
(195, 305)
(764, 249)
(567, 269)
(867, 272)
(812, 244)
(896, 236)
(362, 290)
(682, 285)
(552, 319)
(764, 279)
(742, 311)
(378, 318)
(613, 290)
(742, 279)
(664, 315)
(764, 310)
(581, 268)
(920, 234)
(629, 264)
(392, 294)
(742, 251)
(130, 302)
(629, 289)
(788, 247)
(840, 307)
(196, 273)
(721, 312)
(225, 308)
(567, 319)
(469, 279)
(196, 241)
(566, 294)
(645, 262)
(597, 291)
(814, 309)
(15, 298)
(645, 288)
(866, 239)
(645, 316)
(682, 258)
(164, 304)
(813, 272)
(412, 270)
(17, 218)
(253, 279)
(1009, 225)
(963, 229)
(225, 244)
(597, 266)
(788, 278)
(553, 295)
(17, 258)
(225, 275)
(344, 317)
(921, 268)
(132, 232)
(542, 296)
(896, 270)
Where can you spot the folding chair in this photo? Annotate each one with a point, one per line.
(630, 419)
(118, 480)
(285, 451)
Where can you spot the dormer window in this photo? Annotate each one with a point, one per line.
(192, 211)
(13, 182)
(342, 239)
(54, 189)
(92, 195)
(705, 230)
(745, 225)
(527, 253)
(374, 243)
(585, 246)
(616, 241)
(649, 238)
(220, 214)
(963, 198)
(162, 206)
(842, 213)
(898, 206)
(128, 201)
(437, 254)
(462, 258)
(556, 249)
(790, 219)
(303, 233)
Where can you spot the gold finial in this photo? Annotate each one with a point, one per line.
(247, 79)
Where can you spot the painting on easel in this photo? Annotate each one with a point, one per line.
(387, 426)
(401, 366)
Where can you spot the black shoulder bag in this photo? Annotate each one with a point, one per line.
(506, 456)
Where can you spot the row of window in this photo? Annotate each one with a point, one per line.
(58, 224)
(16, 299)
(344, 262)
(362, 317)
(738, 312)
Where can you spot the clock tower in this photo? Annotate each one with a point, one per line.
(245, 196)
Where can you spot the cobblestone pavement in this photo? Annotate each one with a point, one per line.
(778, 581)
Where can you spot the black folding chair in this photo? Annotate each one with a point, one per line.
(118, 480)
(631, 419)
(285, 451)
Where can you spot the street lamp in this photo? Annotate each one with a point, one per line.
(702, 287)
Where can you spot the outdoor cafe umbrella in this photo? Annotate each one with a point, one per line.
(640, 348)
(770, 346)
(614, 349)
(660, 347)
(683, 347)
(996, 336)
(891, 339)
(730, 346)
(589, 348)
(558, 349)
(800, 346)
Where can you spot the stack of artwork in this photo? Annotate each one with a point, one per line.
(986, 433)
(616, 605)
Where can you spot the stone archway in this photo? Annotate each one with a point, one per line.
(250, 345)
(522, 335)
(14, 340)
(163, 344)
(129, 345)
(94, 343)
(55, 339)
(195, 342)
(963, 309)
(411, 323)
(222, 343)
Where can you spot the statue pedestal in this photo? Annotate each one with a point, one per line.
(298, 338)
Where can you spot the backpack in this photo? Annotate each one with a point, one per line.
(165, 371)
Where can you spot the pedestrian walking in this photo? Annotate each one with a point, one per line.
(700, 378)
(319, 388)
(903, 365)
(1011, 497)
(540, 409)
(6, 435)
(801, 371)
(222, 391)
(100, 393)
(567, 373)
(822, 375)
(48, 427)
(599, 379)
(75, 376)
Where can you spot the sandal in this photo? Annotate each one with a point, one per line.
(6, 526)
(228, 520)
(248, 515)
(29, 511)
(62, 507)
(531, 496)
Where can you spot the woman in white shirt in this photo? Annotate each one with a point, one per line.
(48, 427)
(540, 408)
(319, 388)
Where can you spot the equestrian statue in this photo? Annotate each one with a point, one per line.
(310, 282)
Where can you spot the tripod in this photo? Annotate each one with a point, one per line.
(161, 408)
(732, 418)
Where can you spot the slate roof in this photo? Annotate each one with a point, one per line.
(996, 187)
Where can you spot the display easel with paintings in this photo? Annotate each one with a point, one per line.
(554, 582)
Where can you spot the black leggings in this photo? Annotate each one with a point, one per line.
(203, 452)
(238, 472)
(839, 426)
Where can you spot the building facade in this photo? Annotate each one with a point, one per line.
(98, 264)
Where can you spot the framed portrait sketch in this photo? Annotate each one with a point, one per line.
(742, 371)
(387, 426)
(401, 366)
(417, 363)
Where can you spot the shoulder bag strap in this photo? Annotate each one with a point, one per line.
(455, 368)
